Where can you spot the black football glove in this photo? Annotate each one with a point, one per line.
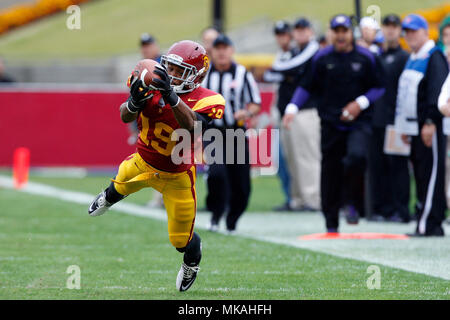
(138, 96)
(163, 85)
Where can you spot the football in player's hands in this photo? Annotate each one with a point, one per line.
(144, 71)
(163, 80)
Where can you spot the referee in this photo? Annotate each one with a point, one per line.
(346, 79)
(229, 184)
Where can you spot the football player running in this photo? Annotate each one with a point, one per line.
(178, 102)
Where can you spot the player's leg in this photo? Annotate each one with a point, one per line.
(104, 200)
(180, 201)
(190, 266)
(131, 177)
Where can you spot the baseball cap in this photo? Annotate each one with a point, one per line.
(281, 27)
(369, 22)
(222, 39)
(414, 22)
(302, 23)
(341, 20)
(391, 19)
(146, 39)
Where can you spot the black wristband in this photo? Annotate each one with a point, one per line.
(134, 107)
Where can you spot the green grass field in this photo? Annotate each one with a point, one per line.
(111, 27)
(129, 257)
(267, 189)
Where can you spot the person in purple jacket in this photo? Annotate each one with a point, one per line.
(346, 79)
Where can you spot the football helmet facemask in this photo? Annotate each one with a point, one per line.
(192, 59)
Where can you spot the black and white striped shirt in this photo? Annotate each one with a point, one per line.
(237, 86)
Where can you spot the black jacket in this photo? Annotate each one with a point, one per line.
(291, 71)
(338, 78)
(430, 88)
(393, 62)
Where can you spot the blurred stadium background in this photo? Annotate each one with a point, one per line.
(69, 86)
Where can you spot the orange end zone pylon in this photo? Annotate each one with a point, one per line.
(357, 235)
(21, 167)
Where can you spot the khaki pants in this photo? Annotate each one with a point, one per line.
(301, 143)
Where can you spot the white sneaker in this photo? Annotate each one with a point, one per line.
(186, 277)
(99, 206)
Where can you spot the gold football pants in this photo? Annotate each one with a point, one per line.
(178, 190)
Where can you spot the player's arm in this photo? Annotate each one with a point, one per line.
(183, 114)
(126, 115)
(137, 100)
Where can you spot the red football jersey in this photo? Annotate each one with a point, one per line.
(156, 124)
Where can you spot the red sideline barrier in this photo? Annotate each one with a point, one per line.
(63, 128)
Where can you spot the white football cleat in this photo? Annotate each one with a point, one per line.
(186, 276)
(99, 206)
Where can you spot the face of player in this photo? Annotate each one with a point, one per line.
(175, 71)
(222, 55)
(150, 51)
(302, 35)
(342, 39)
(391, 33)
(416, 38)
(283, 40)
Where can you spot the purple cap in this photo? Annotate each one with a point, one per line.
(341, 20)
(414, 22)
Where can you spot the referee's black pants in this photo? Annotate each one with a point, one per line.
(389, 179)
(429, 171)
(344, 157)
(229, 188)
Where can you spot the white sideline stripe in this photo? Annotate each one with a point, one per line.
(272, 235)
(80, 198)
